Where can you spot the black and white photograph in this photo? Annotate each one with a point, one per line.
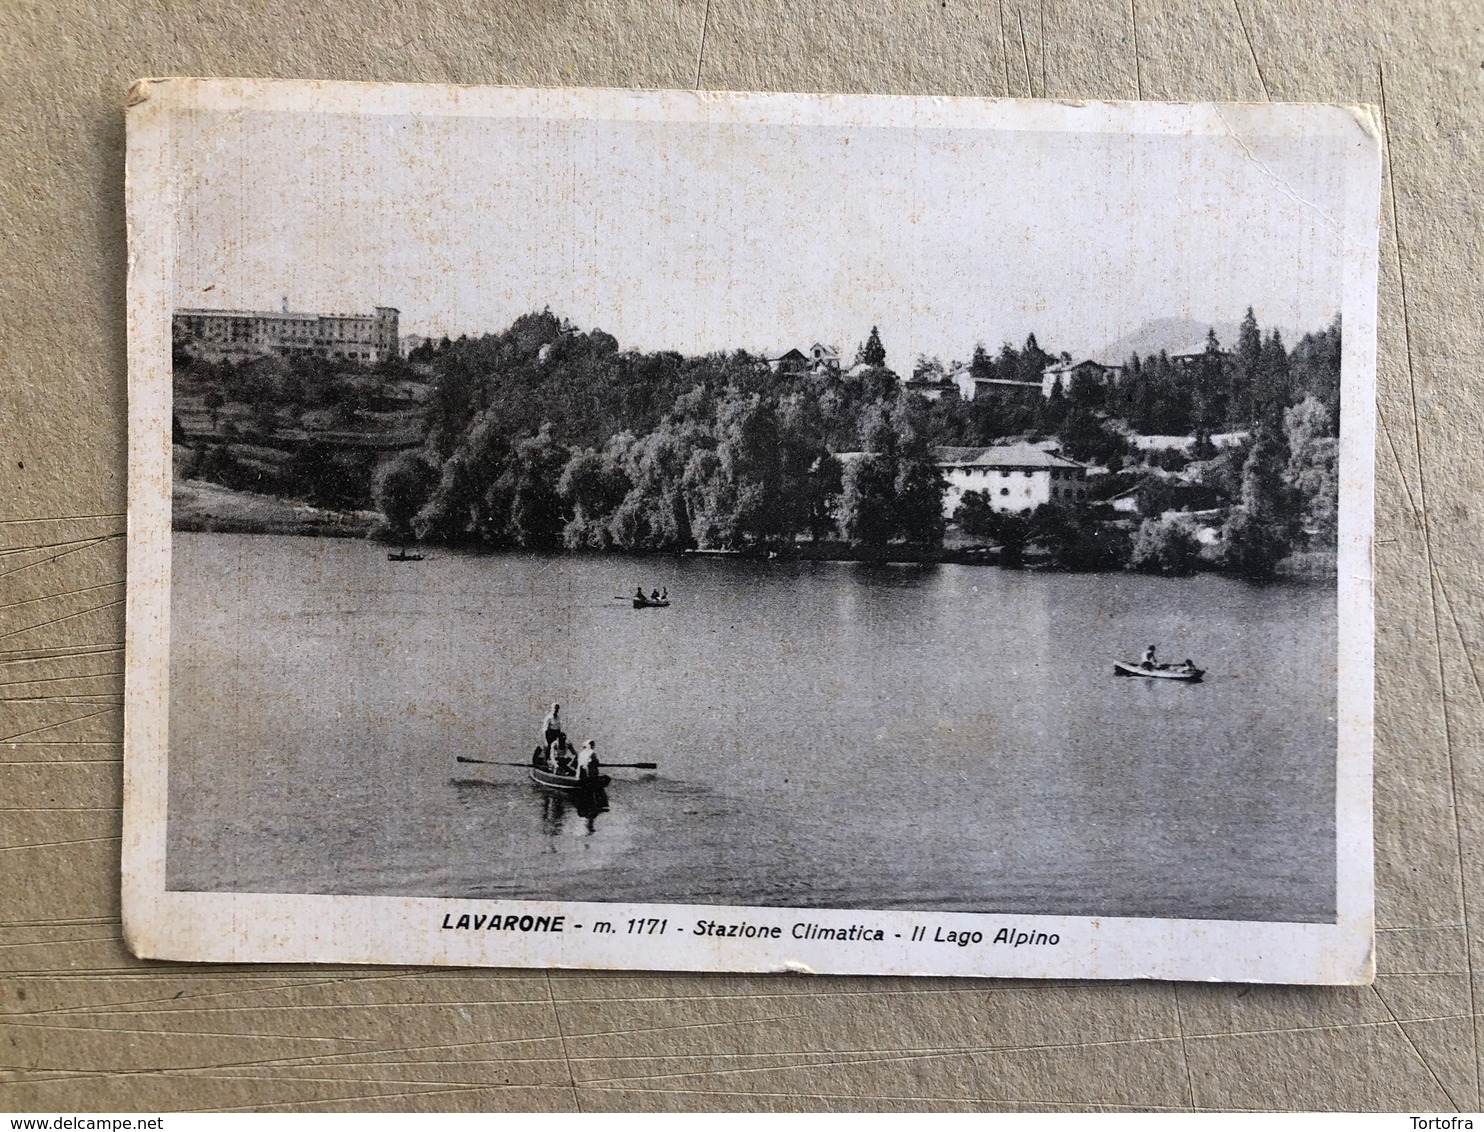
(750, 532)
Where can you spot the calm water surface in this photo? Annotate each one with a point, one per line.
(828, 734)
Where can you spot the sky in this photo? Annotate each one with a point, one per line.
(703, 236)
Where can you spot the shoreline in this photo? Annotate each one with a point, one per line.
(207, 508)
(1308, 566)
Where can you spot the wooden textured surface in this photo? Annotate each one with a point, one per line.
(85, 1026)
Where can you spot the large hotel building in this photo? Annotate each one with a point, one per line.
(234, 336)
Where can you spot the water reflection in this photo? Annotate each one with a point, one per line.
(946, 737)
(587, 804)
(556, 809)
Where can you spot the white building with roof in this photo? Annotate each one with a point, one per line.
(970, 386)
(237, 335)
(1148, 442)
(1015, 477)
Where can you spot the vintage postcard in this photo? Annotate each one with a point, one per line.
(750, 532)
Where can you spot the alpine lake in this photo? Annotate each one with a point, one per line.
(827, 734)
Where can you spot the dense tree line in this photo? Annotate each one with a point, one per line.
(1275, 493)
(544, 437)
(1231, 389)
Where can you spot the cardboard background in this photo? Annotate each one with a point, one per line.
(85, 1026)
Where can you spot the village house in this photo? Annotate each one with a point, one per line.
(931, 383)
(819, 360)
(1150, 442)
(1188, 359)
(1016, 478)
(970, 386)
(237, 335)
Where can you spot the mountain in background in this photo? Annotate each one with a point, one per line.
(1181, 336)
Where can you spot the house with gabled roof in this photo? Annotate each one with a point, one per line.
(791, 361)
(818, 360)
(823, 359)
(1016, 478)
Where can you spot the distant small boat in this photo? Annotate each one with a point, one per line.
(403, 556)
(567, 783)
(1191, 674)
(651, 603)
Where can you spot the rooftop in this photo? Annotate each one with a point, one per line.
(1021, 455)
(1003, 381)
(219, 313)
(1067, 367)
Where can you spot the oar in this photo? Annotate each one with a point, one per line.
(489, 762)
(625, 766)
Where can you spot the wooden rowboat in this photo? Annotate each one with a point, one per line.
(1160, 672)
(566, 783)
(650, 603)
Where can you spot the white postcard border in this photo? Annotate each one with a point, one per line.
(254, 927)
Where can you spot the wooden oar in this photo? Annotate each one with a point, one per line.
(489, 762)
(604, 766)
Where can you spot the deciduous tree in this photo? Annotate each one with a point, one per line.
(402, 486)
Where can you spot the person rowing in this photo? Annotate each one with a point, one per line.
(560, 756)
(587, 763)
(1149, 661)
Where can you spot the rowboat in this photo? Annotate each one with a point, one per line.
(650, 603)
(566, 783)
(1160, 672)
(403, 556)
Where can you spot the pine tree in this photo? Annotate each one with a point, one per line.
(1249, 357)
(983, 364)
(1272, 391)
(1211, 396)
(1033, 360)
(873, 353)
(1053, 410)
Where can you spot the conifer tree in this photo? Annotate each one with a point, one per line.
(1249, 356)
(1273, 381)
(1210, 398)
(983, 364)
(873, 353)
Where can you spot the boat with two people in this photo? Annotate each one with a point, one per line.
(1150, 668)
(658, 599)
